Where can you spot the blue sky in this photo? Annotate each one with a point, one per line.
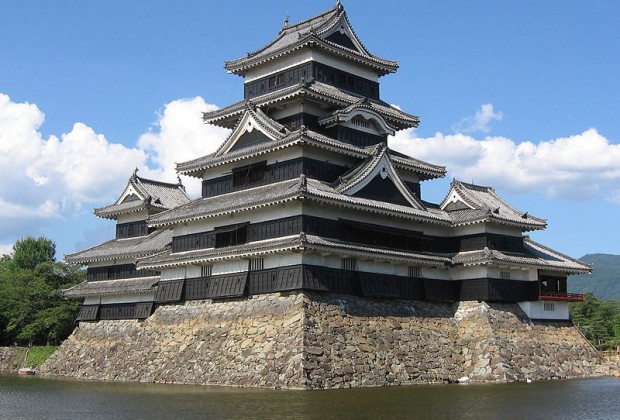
(523, 96)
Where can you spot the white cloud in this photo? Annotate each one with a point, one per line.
(50, 178)
(576, 167)
(6, 249)
(181, 136)
(480, 122)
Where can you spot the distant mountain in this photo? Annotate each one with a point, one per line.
(604, 281)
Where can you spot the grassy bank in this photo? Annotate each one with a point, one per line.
(39, 354)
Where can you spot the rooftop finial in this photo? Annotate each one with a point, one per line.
(338, 4)
(285, 23)
(135, 173)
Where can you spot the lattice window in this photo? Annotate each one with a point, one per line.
(505, 275)
(361, 122)
(415, 271)
(349, 264)
(549, 306)
(206, 270)
(257, 264)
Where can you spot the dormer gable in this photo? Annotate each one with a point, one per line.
(359, 116)
(254, 127)
(145, 195)
(377, 179)
(454, 201)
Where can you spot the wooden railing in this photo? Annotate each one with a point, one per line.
(563, 296)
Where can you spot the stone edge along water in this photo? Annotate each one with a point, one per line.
(306, 340)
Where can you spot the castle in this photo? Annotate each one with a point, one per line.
(312, 259)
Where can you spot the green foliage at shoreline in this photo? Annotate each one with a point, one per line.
(598, 320)
(32, 308)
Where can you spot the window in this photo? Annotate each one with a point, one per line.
(249, 174)
(206, 270)
(415, 272)
(256, 264)
(505, 275)
(349, 264)
(231, 235)
(549, 306)
(359, 121)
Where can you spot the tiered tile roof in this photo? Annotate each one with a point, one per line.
(112, 287)
(321, 92)
(307, 137)
(313, 33)
(535, 255)
(296, 189)
(147, 194)
(297, 242)
(469, 203)
(123, 248)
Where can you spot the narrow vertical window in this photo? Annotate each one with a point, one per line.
(256, 264)
(206, 270)
(349, 264)
(415, 272)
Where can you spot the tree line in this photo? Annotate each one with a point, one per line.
(32, 308)
(598, 320)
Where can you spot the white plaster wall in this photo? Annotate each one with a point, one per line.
(132, 217)
(173, 273)
(107, 263)
(278, 211)
(515, 273)
(131, 298)
(225, 267)
(536, 310)
(305, 55)
(273, 157)
(473, 272)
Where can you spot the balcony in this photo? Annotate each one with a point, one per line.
(561, 296)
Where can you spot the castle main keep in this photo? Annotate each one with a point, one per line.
(312, 259)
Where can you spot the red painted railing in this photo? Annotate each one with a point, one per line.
(563, 296)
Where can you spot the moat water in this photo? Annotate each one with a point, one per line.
(43, 398)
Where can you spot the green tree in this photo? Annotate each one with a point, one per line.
(30, 252)
(598, 320)
(32, 309)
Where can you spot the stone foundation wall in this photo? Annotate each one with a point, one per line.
(313, 340)
(251, 342)
(11, 358)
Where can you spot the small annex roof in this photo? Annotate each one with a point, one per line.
(312, 89)
(145, 194)
(304, 136)
(297, 242)
(141, 246)
(300, 188)
(469, 203)
(377, 165)
(535, 255)
(112, 287)
(330, 31)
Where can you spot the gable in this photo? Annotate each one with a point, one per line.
(340, 38)
(130, 197)
(382, 189)
(249, 138)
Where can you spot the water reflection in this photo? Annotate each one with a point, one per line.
(36, 397)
